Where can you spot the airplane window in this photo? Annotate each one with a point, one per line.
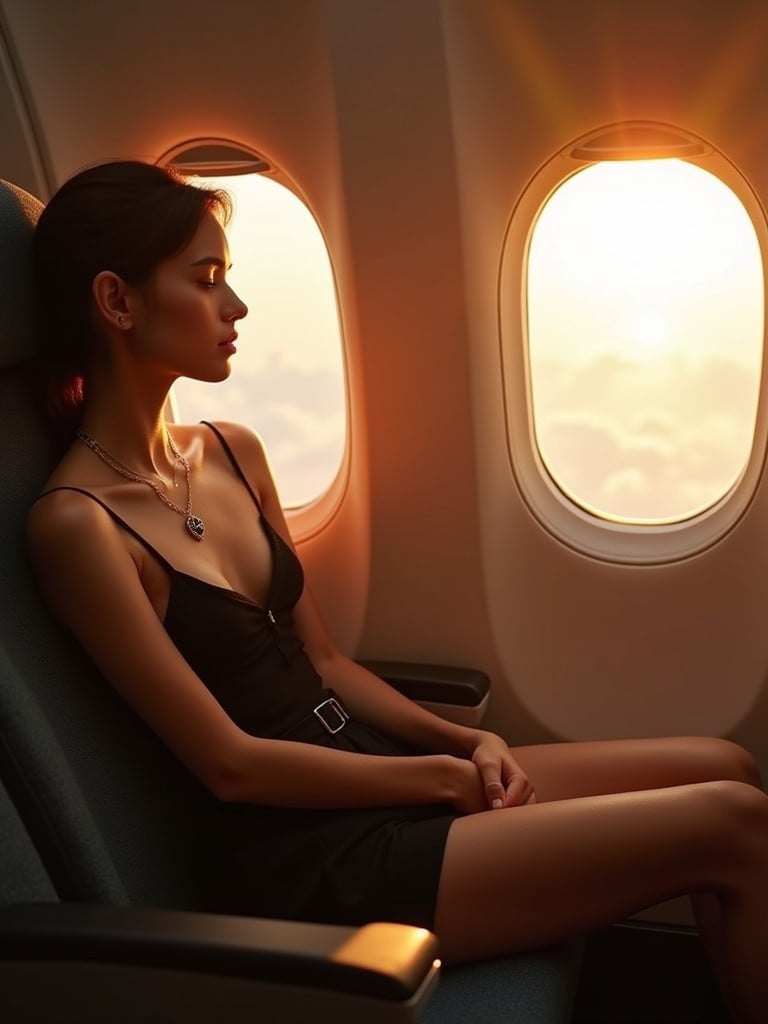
(287, 377)
(645, 332)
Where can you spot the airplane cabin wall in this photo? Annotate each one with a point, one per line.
(412, 130)
(599, 649)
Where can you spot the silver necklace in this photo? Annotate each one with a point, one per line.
(194, 524)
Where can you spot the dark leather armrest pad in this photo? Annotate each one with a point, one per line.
(381, 961)
(437, 684)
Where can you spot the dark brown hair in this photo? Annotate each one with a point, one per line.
(124, 216)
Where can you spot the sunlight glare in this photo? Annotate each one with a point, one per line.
(287, 378)
(650, 329)
(645, 306)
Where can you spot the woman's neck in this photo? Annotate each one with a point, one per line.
(131, 426)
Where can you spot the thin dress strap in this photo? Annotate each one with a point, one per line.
(120, 521)
(235, 463)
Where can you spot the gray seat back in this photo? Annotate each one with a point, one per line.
(112, 814)
(23, 879)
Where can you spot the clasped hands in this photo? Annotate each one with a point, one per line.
(492, 779)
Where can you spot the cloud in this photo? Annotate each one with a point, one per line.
(645, 442)
(630, 440)
(300, 413)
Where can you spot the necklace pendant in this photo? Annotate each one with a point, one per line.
(195, 527)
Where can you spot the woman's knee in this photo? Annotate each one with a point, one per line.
(740, 822)
(728, 761)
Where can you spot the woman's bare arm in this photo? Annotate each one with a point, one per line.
(367, 697)
(92, 583)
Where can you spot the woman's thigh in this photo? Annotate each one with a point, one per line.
(529, 876)
(560, 771)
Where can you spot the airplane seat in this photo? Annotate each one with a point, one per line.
(109, 827)
(23, 877)
(98, 747)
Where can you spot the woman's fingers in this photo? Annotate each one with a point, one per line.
(504, 782)
(492, 784)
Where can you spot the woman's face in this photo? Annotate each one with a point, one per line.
(184, 316)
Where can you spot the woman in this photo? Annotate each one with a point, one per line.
(165, 550)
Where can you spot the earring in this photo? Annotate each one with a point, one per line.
(120, 319)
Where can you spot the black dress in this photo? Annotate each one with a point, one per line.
(340, 866)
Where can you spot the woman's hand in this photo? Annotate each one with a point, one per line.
(503, 781)
(467, 793)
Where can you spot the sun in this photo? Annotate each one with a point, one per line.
(650, 329)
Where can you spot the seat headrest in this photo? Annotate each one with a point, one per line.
(19, 212)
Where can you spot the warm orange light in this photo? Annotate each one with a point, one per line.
(645, 324)
(287, 378)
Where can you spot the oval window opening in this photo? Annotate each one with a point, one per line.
(287, 379)
(645, 331)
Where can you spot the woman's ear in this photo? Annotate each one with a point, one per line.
(111, 299)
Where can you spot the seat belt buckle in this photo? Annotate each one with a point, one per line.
(332, 714)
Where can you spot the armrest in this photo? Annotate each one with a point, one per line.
(457, 693)
(382, 961)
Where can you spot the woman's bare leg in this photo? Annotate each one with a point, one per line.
(560, 771)
(565, 770)
(525, 877)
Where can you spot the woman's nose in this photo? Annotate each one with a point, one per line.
(237, 309)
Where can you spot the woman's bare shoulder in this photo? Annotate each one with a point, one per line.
(247, 447)
(59, 528)
(242, 436)
(65, 517)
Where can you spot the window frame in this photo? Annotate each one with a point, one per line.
(220, 157)
(570, 523)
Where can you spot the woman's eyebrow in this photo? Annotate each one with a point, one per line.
(212, 261)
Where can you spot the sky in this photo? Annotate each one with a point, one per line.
(287, 379)
(645, 328)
